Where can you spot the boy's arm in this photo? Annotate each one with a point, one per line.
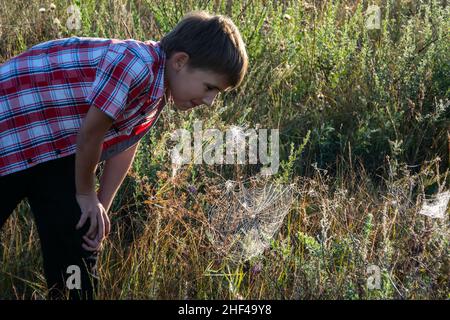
(89, 146)
(114, 172)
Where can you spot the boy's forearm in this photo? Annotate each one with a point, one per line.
(89, 147)
(114, 172)
(86, 160)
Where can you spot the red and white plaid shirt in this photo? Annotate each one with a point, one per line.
(46, 91)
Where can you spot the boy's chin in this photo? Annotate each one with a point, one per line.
(180, 107)
(183, 106)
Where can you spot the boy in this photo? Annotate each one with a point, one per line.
(67, 104)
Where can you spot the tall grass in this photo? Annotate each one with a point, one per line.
(364, 123)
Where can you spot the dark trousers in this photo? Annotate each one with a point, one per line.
(50, 190)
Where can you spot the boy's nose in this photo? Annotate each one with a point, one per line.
(208, 100)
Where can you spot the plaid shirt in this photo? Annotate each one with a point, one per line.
(46, 92)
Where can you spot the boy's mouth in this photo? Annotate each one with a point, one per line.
(194, 104)
(187, 105)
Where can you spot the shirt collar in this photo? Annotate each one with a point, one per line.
(160, 84)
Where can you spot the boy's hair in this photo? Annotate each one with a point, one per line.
(213, 43)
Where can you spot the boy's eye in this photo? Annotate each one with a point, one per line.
(209, 88)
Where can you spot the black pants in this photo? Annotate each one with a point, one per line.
(50, 190)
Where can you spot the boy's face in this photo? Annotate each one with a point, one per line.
(191, 87)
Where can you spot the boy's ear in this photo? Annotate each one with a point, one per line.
(180, 59)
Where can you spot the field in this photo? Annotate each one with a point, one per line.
(364, 124)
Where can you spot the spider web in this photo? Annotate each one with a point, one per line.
(436, 206)
(245, 219)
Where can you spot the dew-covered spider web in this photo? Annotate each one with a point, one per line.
(246, 216)
(436, 206)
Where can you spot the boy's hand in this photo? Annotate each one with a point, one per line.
(92, 209)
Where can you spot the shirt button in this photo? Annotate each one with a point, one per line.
(142, 113)
(116, 130)
(58, 151)
(30, 160)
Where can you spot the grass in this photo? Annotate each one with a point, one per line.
(364, 123)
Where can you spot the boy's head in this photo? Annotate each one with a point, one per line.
(205, 55)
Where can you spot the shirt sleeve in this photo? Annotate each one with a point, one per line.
(118, 80)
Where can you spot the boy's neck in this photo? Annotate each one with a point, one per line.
(166, 81)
